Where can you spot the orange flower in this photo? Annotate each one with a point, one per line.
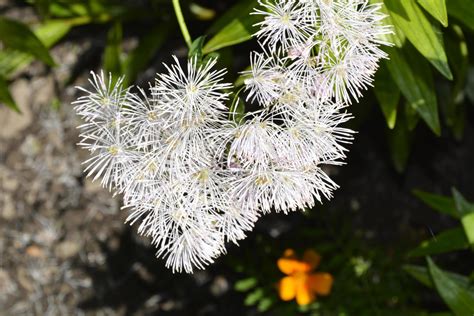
(300, 282)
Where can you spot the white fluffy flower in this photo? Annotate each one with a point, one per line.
(335, 41)
(159, 152)
(264, 81)
(194, 180)
(285, 23)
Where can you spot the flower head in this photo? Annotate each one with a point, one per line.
(285, 23)
(194, 180)
(160, 152)
(301, 283)
(335, 40)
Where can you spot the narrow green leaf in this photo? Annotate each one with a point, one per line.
(411, 115)
(89, 8)
(265, 304)
(459, 300)
(415, 80)
(388, 95)
(253, 297)
(458, 56)
(422, 274)
(12, 60)
(462, 205)
(5, 96)
(437, 9)
(113, 50)
(238, 27)
(211, 56)
(447, 241)
(440, 203)
(463, 10)
(468, 225)
(423, 34)
(400, 141)
(195, 51)
(67, 10)
(49, 33)
(18, 36)
(242, 8)
(236, 32)
(245, 284)
(397, 37)
(237, 108)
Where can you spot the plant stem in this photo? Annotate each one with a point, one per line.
(182, 23)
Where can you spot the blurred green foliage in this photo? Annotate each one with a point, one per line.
(23, 43)
(456, 290)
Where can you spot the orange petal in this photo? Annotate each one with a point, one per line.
(312, 258)
(304, 294)
(287, 288)
(290, 266)
(320, 283)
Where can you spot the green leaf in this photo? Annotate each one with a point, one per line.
(387, 94)
(245, 284)
(422, 274)
(238, 28)
(95, 9)
(397, 37)
(462, 205)
(18, 36)
(242, 8)
(459, 300)
(411, 115)
(67, 10)
(237, 108)
(415, 80)
(195, 51)
(265, 304)
(147, 47)
(211, 56)
(440, 203)
(447, 241)
(112, 63)
(49, 33)
(5, 96)
(458, 55)
(201, 13)
(423, 34)
(463, 11)
(400, 141)
(468, 225)
(437, 9)
(52, 31)
(253, 297)
(13, 60)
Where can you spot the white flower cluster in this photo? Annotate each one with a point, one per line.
(194, 179)
(326, 49)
